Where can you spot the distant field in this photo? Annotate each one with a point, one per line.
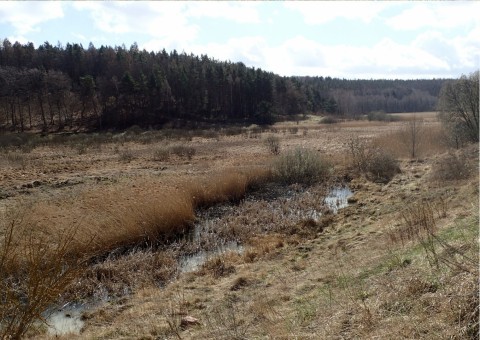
(427, 116)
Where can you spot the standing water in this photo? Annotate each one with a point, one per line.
(65, 320)
(337, 198)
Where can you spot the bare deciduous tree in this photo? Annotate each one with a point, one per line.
(458, 107)
(412, 136)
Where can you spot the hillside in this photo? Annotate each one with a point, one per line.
(69, 87)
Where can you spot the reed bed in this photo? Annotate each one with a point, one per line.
(144, 212)
(49, 247)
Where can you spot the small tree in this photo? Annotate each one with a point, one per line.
(458, 107)
(412, 136)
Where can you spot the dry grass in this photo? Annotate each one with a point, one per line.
(431, 140)
(301, 275)
(146, 212)
(345, 282)
(114, 219)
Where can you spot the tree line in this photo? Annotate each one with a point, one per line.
(52, 87)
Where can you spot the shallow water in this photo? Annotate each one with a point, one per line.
(66, 320)
(337, 198)
(190, 263)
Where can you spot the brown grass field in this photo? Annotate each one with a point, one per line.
(104, 221)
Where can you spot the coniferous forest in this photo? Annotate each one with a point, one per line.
(54, 87)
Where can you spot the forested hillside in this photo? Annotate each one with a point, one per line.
(53, 87)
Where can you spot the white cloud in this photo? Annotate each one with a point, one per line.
(385, 59)
(155, 19)
(26, 16)
(302, 56)
(320, 12)
(459, 52)
(241, 12)
(439, 14)
(250, 50)
(166, 22)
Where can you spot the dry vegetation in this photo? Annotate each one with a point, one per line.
(107, 220)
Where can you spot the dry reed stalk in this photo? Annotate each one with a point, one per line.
(222, 187)
(39, 257)
(35, 269)
(146, 212)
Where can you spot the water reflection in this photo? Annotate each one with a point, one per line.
(337, 198)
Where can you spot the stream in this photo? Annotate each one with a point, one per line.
(206, 244)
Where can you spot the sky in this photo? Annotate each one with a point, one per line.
(353, 39)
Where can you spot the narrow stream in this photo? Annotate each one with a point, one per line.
(204, 243)
(336, 199)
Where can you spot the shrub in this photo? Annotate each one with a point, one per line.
(273, 145)
(293, 130)
(233, 131)
(126, 156)
(360, 152)
(16, 159)
(34, 271)
(161, 155)
(459, 106)
(217, 267)
(376, 163)
(302, 166)
(382, 167)
(134, 129)
(379, 116)
(453, 166)
(255, 132)
(183, 151)
(328, 120)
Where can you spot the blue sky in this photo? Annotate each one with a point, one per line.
(339, 39)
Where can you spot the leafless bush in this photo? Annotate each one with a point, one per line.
(126, 156)
(293, 130)
(376, 163)
(16, 159)
(382, 167)
(183, 151)
(161, 154)
(413, 135)
(34, 271)
(233, 131)
(273, 144)
(328, 120)
(380, 116)
(453, 166)
(228, 321)
(217, 267)
(360, 152)
(301, 166)
(420, 224)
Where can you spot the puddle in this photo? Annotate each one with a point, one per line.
(190, 263)
(337, 198)
(66, 320)
(204, 239)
